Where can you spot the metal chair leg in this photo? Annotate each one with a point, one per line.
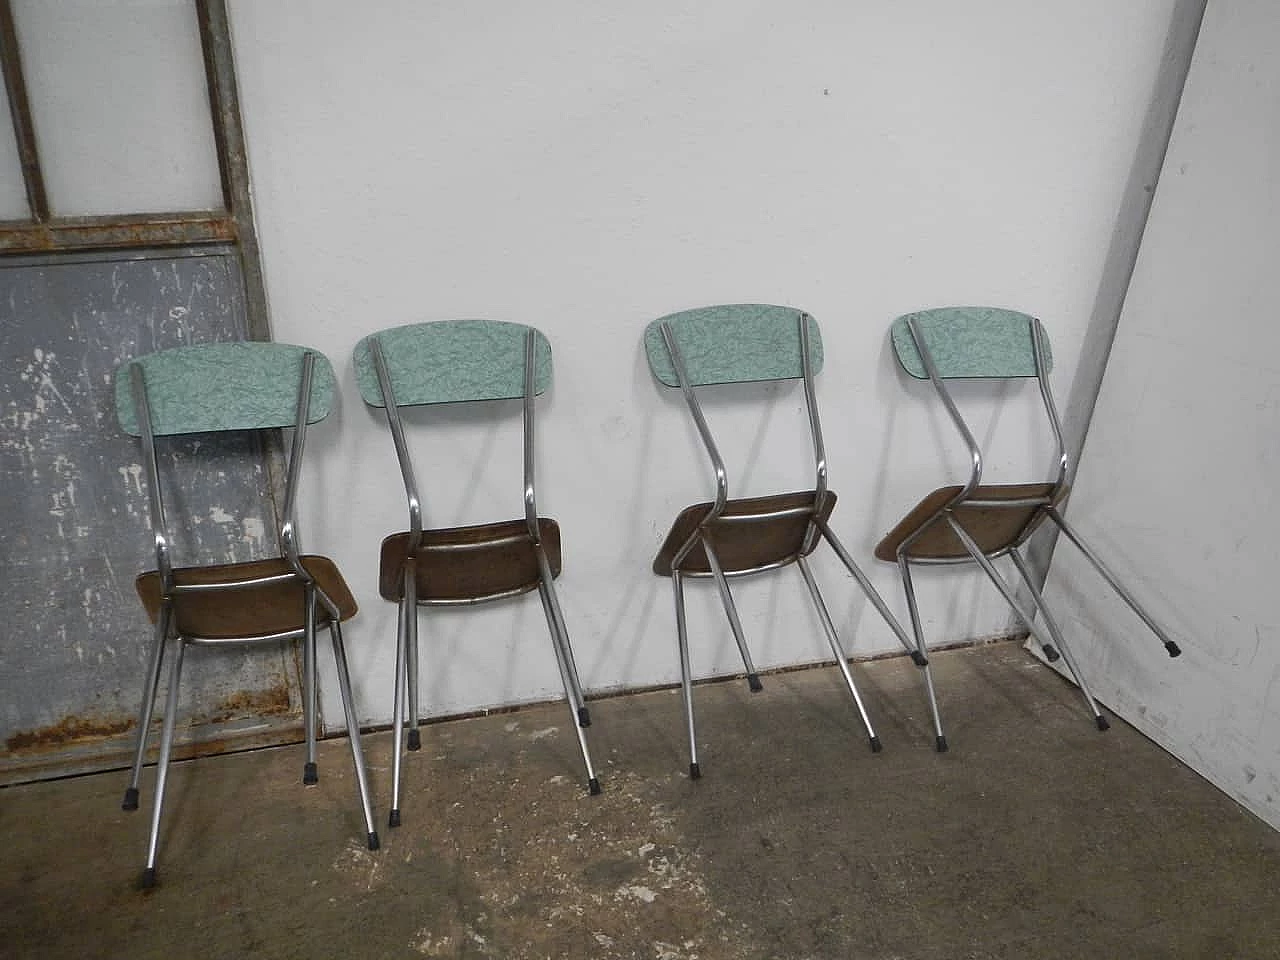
(410, 624)
(576, 696)
(310, 773)
(1056, 633)
(920, 654)
(546, 592)
(397, 756)
(162, 767)
(868, 588)
(147, 710)
(686, 676)
(353, 731)
(1172, 648)
(833, 639)
(1005, 590)
(731, 611)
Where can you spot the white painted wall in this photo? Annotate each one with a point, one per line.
(586, 168)
(1177, 481)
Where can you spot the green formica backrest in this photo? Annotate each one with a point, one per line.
(452, 361)
(970, 342)
(733, 343)
(223, 386)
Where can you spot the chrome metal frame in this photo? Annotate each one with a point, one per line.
(817, 528)
(166, 632)
(407, 655)
(1048, 635)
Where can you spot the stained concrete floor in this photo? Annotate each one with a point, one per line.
(1035, 837)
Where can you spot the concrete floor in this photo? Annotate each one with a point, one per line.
(1035, 837)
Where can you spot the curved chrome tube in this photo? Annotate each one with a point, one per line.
(402, 447)
(288, 523)
(975, 452)
(159, 525)
(717, 463)
(1042, 375)
(815, 430)
(811, 401)
(530, 388)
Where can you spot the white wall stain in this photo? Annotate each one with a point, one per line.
(40, 374)
(255, 532)
(132, 472)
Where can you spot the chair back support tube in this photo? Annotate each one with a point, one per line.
(1050, 409)
(288, 526)
(975, 452)
(530, 499)
(686, 387)
(815, 428)
(397, 436)
(159, 525)
(704, 431)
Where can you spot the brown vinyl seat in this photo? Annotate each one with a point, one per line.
(995, 529)
(469, 564)
(278, 607)
(751, 534)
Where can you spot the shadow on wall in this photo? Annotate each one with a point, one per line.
(1122, 254)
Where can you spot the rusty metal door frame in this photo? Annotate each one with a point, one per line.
(228, 230)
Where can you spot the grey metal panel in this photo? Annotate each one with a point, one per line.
(74, 518)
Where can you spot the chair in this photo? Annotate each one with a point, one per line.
(457, 361)
(234, 387)
(976, 522)
(726, 538)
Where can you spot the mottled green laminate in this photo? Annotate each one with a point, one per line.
(224, 386)
(733, 343)
(451, 361)
(970, 342)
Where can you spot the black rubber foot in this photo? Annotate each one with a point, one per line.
(593, 787)
(695, 772)
(130, 801)
(919, 659)
(1173, 648)
(415, 739)
(1050, 652)
(148, 879)
(374, 842)
(310, 776)
(876, 745)
(584, 717)
(941, 745)
(1102, 722)
(753, 681)
(394, 819)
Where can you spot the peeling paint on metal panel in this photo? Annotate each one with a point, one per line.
(74, 526)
